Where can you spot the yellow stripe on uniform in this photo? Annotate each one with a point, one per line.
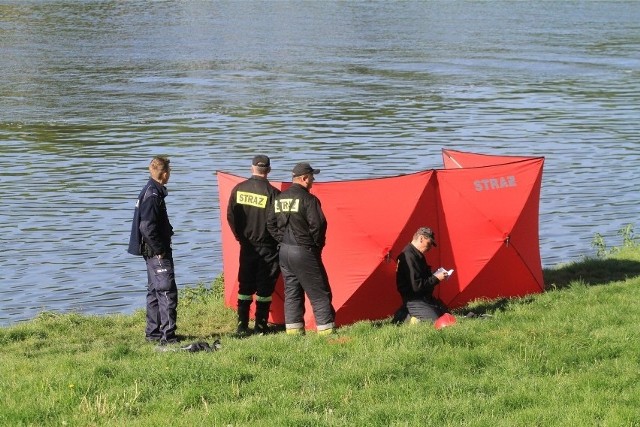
(287, 205)
(251, 199)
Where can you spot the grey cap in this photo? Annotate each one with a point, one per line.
(427, 232)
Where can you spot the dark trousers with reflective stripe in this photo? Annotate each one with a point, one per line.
(259, 270)
(162, 298)
(303, 272)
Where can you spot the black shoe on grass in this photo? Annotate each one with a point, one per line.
(167, 341)
(263, 329)
(243, 331)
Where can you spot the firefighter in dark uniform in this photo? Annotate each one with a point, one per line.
(259, 270)
(151, 234)
(415, 280)
(299, 225)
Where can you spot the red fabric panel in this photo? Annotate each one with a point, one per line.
(367, 228)
(483, 209)
(369, 222)
(453, 159)
(489, 210)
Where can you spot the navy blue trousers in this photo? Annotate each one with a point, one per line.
(162, 299)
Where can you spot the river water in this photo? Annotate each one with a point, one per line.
(91, 90)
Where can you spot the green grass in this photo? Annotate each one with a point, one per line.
(567, 357)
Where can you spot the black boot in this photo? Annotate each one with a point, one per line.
(243, 318)
(262, 316)
(401, 315)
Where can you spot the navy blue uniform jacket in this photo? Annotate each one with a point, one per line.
(151, 224)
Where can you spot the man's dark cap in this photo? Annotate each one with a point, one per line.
(304, 169)
(427, 232)
(261, 160)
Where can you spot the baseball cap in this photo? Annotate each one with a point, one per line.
(303, 169)
(261, 160)
(427, 232)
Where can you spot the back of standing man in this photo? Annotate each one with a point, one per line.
(151, 234)
(299, 225)
(259, 270)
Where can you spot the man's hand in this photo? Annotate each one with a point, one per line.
(441, 275)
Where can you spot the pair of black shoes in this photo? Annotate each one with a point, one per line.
(167, 341)
(243, 331)
(262, 329)
(163, 341)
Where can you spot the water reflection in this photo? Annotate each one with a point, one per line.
(91, 91)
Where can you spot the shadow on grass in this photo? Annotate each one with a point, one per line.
(480, 308)
(591, 272)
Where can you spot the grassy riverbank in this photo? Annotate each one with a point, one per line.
(569, 356)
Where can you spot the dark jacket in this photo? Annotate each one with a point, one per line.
(249, 204)
(297, 218)
(151, 230)
(413, 275)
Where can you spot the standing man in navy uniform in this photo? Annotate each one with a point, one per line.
(151, 234)
(299, 225)
(259, 270)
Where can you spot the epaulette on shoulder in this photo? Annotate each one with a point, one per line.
(151, 191)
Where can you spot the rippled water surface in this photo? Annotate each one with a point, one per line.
(92, 90)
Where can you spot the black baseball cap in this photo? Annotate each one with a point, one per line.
(427, 232)
(261, 160)
(304, 169)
